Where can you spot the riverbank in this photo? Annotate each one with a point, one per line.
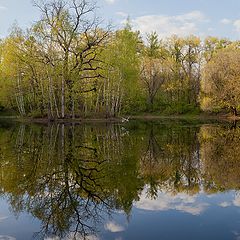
(121, 119)
(202, 116)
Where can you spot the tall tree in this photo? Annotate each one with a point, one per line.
(152, 68)
(73, 29)
(121, 71)
(221, 85)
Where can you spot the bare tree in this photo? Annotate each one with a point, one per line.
(72, 31)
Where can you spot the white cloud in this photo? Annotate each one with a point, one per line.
(226, 21)
(4, 237)
(225, 204)
(236, 201)
(3, 8)
(237, 235)
(166, 201)
(2, 218)
(181, 25)
(122, 14)
(114, 227)
(110, 1)
(236, 24)
(194, 210)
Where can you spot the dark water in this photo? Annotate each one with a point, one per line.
(131, 181)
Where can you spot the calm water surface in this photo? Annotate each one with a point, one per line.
(134, 181)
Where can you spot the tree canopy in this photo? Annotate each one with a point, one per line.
(69, 64)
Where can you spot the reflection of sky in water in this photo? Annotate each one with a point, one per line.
(16, 227)
(167, 201)
(179, 216)
(183, 215)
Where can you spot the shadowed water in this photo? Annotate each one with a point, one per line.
(140, 180)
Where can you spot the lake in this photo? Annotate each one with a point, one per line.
(133, 181)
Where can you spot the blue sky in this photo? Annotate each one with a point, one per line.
(182, 17)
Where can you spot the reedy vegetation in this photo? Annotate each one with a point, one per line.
(68, 65)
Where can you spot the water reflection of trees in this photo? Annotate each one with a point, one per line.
(171, 159)
(220, 151)
(70, 176)
(48, 178)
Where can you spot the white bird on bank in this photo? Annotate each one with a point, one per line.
(125, 119)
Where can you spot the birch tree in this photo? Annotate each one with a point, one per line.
(72, 29)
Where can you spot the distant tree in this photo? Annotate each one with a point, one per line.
(212, 45)
(152, 68)
(221, 82)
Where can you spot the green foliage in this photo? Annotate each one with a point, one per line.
(220, 85)
(181, 108)
(153, 47)
(62, 68)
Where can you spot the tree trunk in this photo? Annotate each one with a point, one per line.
(63, 98)
(234, 111)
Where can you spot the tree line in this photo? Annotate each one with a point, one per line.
(69, 65)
